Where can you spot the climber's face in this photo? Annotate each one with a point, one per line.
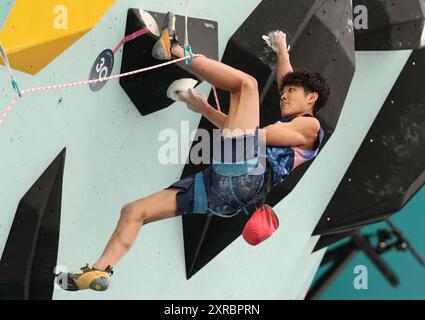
(296, 100)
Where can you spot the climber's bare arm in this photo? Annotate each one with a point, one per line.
(197, 102)
(214, 116)
(278, 41)
(300, 132)
(283, 67)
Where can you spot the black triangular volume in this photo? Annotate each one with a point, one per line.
(327, 240)
(389, 167)
(312, 26)
(148, 90)
(389, 24)
(30, 255)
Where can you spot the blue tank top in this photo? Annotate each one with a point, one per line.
(282, 160)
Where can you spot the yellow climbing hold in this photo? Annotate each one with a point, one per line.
(36, 32)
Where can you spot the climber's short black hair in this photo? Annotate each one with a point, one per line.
(312, 82)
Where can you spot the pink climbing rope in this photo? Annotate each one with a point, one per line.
(217, 102)
(131, 37)
(80, 83)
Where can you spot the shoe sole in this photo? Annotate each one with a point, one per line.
(165, 38)
(94, 280)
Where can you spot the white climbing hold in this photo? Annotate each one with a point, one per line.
(150, 22)
(267, 39)
(178, 86)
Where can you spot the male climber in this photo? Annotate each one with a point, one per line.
(227, 187)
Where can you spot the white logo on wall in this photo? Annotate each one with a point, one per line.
(361, 280)
(209, 25)
(61, 20)
(360, 17)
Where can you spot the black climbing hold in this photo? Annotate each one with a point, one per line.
(327, 240)
(389, 24)
(30, 255)
(148, 90)
(389, 172)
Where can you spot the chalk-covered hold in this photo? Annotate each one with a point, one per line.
(179, 86)
(150, 22)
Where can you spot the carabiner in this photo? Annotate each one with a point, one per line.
(188, 49)
(16, 88)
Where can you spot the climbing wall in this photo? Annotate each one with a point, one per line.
(112, 158)
(391, 25)
(373, 190)
(5, 7)
(36, 32)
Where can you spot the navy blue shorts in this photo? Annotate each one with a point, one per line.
(226, 194)
(185, 198)
(220, 191)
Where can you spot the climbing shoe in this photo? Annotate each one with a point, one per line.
(162, 48)
(86, 278)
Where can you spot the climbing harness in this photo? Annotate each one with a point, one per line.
(229, 171)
